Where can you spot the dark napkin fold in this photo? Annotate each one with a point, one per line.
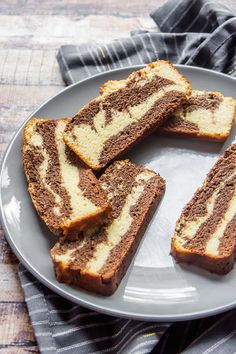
(193, 32)
(204, 35)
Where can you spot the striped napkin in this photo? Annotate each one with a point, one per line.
(193, 32)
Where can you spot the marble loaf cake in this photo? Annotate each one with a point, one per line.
(126, 112)
(99, 260)
(68, 197)
(205, 234)
(206, 116)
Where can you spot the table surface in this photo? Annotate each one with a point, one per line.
(31, 33)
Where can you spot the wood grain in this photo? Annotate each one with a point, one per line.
(16, 103)
(6, 254)
(29, 74)
(31, 33)
(19, 349)
(73, 8)
(18, 330)
(9, 284)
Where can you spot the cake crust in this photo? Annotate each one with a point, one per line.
(125, 113)
(47, 172)
(133, 193)
(205, 232)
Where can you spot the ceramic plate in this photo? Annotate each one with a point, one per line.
(155, 287)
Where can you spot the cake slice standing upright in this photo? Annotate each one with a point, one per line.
(123, 115)
(99, 261)
(205, 234)
(67, 197)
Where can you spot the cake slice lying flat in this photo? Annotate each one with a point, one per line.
(99, 261)
(206, 116)
(205, 234)
(68, 197)
(125, 113)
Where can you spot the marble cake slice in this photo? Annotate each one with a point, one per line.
(205, 233)
(205, 116)
(67, 197)
(99, 261)
(125, 113)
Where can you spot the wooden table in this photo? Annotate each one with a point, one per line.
(31, 33)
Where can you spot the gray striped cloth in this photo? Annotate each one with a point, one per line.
(193, 32)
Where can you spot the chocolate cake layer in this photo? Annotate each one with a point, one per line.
(99, 260)
(67, 197)
(205, 115)
(125, 113)
(205, 232)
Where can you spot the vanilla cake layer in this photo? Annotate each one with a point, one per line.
(66, 196)
(99, 260)
(205, 232)
(206, 115)
(125, 112)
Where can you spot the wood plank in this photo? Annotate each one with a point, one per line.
(31, 60)
(77, 8)
(28, 53)
(6, 254)
(12, 349)
(10, 284)
(15, 326)
(16, 32)
(29, 67)
(16, 103)
(83, 7)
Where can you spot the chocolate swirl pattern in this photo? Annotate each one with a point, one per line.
(205, 116)
(59, 187)
(125, 112)
(205, 232)
(100, 259)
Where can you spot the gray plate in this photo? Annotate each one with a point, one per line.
(154, 288)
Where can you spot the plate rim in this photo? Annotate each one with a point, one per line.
(56, 287)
